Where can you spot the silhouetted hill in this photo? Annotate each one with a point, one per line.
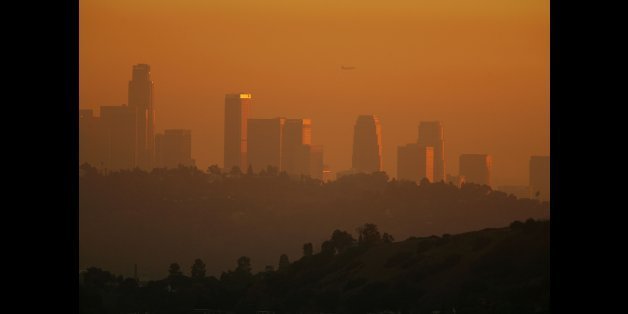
(134, 217)
(503, 270)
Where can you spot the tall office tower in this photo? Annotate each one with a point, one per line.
(313, 161)
(415, 162)
(296, 134)
(92, 139)
(264, 143)
(540, 177)
(120, 124)
(431, 134)
(476, 168)
(173, 148)
(236, 119)
(367, 144)
(141, 98)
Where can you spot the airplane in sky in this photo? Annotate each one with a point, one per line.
(347, 68)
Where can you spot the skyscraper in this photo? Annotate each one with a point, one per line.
(476, 168)
(367, 144)
(264, 143)
(236, 119)
(431, 134)
(415, 162)
(312, 156)
(120, 127)
(174, 148)
(540, 177)
(296, 134)
(141, 98)
(92, 139)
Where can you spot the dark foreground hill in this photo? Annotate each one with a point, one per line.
(503, 270)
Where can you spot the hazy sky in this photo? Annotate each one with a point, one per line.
(479, 66)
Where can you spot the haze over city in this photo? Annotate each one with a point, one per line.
(482, 69)
(276, 157)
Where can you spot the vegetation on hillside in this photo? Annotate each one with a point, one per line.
(502, 270)
(135, 217)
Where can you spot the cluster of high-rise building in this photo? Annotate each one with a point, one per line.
(281, 143)
(123, 137)
(425, 159)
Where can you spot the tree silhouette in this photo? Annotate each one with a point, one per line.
(387, 238)
(369, 234)
(175, 270)
(249, 170)
(88, 170)
(244, 265)
(272, 171)
(214, 169)
(176, 199)
(511, 275)
(328, 248)
(308, 249)
(198, 269)
(342, 240)
(235, 171)
(283, 262)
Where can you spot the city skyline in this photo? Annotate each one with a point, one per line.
(241, 156)
(483, 73)
(422, 139)
(285, 144)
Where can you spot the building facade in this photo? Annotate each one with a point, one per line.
(120, 132)
(140, 98)
(367, 145)
(431, 134)
(415, 162)
(173, 148)
(264, 138)
(296, 138)
(236, 122)
(92, 139)
(476, 168)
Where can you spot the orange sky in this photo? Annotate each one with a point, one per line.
(479, 66)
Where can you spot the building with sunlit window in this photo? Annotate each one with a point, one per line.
(236, 118)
